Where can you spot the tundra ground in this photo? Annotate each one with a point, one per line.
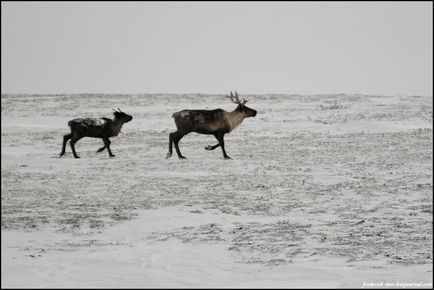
(323, 190)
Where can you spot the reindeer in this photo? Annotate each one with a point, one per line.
(215, 122)
(103, 128)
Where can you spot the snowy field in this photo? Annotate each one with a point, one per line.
(322, 191)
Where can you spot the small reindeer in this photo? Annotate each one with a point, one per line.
(103, 128)
(216, 122)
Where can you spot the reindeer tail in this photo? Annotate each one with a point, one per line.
(73, 124)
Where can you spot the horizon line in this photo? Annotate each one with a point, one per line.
(207, 93)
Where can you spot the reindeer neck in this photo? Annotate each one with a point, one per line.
(234, 119)
(116, 126)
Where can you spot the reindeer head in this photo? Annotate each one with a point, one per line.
(241, 105)
(122, 116)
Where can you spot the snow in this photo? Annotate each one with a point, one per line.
(126, 258)
(322, 191)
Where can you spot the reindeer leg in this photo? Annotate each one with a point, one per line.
(102, 148)
(209, 147)
(107, 144)
(222, 144)
(72, 142)
(65, 139)
(177, 137)
(169, 154)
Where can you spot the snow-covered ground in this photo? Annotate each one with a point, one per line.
(322, 191)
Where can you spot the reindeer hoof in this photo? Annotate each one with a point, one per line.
(168, 155)
(112, 155)
(77, 157)
(182, 157)
(209, 147)
(227, 157)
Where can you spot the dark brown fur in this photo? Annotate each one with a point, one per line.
(103, 128)
(215, 122)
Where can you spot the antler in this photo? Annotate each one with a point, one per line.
(235, 99)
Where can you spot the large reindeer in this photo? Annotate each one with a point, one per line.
(215, 122)
(97, 128)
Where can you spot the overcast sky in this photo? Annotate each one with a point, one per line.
(172, 47)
